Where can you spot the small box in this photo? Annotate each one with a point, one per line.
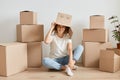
(97, 22)
(13, 58)
(34, 54)
(95, 35)
(30, 33)
(109, 61)
(64, 19)
(28, 17)
(91, 53)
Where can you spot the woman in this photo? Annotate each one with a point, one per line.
(61, 55)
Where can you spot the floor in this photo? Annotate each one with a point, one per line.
(81, 73)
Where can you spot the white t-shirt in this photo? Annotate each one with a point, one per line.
(58, 46)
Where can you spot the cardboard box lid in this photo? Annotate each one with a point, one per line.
(11, 44)
(26, 11)
(117, 51)
(64, 19)
(108, 54)
(97, 16)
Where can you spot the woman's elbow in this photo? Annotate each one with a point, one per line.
(46, 42)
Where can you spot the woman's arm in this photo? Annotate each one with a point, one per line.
(71, 61)
(48, 38)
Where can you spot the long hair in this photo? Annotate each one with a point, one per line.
(65, 32)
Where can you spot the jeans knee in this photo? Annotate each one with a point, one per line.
(45, 60)
(78, 52)
(80, 47)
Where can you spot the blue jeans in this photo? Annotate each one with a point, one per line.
(57, 63)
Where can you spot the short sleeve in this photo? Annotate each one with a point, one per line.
(69, 41)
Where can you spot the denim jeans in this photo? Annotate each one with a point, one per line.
(58, 62)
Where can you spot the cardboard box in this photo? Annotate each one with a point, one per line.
(109, 61)
(64, 19)
(34, 54)
(91, 53)
(97, 22)
(95, 35)
(30, 33)
(13, 58)
(28, 17)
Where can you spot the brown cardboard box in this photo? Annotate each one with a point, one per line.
(13, 58)
(34, 54)
(97, 22)
(64, 19)
(109, 61)
(30, 33)
(95, 35)
(117, 51)
(28, 17)
(92, 52)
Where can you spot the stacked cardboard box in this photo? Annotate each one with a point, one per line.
(97, 22)
(30, 32)
(94, 39)
(13, 58)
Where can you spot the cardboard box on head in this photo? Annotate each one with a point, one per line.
(64, 19)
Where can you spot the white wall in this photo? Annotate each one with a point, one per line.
(47, 11)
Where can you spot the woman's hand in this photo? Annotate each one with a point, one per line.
(53, 25)
(71, 64)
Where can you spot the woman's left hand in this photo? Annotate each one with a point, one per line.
(71, 64)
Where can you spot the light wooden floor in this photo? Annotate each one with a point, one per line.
(81, 73)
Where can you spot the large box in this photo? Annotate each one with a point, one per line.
(30, 33)
(97, 22)
(28, 17)
(95, 35)
(91, 53)
(34, 54)
(109, 61)
(13, 58)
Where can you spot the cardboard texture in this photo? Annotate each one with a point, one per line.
(28, 17)
(91, 53)
(117, 51)
(34, 54)
(30, 33)
(64, 19)
(95, 35)
(97, 22)
(13, 58)
(109, 61)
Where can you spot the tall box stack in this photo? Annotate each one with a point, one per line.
(94, 39)
(28, 31)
